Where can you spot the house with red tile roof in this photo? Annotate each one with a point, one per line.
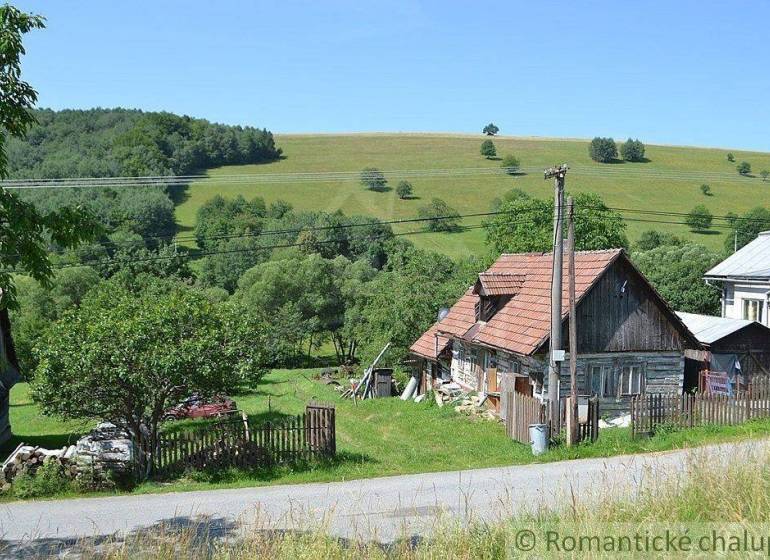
(628, 338)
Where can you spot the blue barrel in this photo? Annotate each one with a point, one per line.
(538, 437)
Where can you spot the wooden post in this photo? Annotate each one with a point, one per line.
(572, 436)
(557, 174)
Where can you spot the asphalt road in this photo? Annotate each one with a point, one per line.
(380, 508)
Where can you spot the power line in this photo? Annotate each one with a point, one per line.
(342, 176)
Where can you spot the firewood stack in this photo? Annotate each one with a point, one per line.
(107, 449)
(28, 458)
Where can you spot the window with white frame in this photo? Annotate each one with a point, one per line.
(632, 380)
(752, 309)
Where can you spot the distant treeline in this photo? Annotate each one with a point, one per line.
(128, 142)
(123, 142)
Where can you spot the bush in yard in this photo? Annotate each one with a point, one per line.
(511, 164)
(488, 149)
(439, 216)
(632, 150)
(744, 168)
(373, 179)
(699, 218)
(127, 355)
(603, 150)
(404, 189)
(48, 480)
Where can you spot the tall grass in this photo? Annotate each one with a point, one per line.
(713, 492)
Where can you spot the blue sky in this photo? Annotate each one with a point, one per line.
(677, 72)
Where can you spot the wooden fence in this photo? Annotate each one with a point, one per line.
(239, 442)
(589, 430)
(519, 411)
(649, 411)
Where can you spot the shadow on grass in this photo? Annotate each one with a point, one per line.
(705, 232)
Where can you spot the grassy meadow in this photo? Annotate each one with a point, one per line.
(635, 186)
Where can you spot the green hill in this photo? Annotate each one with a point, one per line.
(670, 181)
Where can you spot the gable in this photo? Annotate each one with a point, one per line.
(623, 313)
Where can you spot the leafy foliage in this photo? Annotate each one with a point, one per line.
(764, 174)
(747, 227)
(706, 189)
(219, 218)
(126, 356)
(632, 150)
(373, 179)
(677, 273)
(404, 189)
(440, 216)
(488, 149)
(603, 150)
(491, 129)
(699, 218)
(526, 224)
(510, 164)
(744, 168)
(127, 142)
(730, 157)
(25, 232)
(651, 238)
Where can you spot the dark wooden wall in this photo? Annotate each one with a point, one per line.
(613, 319)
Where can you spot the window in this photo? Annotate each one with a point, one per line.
(598, 382)
(632, 380)
(752, 309)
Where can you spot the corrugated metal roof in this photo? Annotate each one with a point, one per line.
(750, 261)
(709, 329)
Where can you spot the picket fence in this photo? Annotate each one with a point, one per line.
(244, 443)
(650, 411)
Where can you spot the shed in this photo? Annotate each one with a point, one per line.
(739, 348)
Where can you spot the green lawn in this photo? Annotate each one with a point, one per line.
(379, 437)
(632, 189)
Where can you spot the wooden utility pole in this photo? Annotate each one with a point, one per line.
(572, 409)
(558, 174)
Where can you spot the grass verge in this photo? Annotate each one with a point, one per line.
(385, 437)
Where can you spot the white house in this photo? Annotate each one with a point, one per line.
(745, 280)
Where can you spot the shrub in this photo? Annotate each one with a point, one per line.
(488, 149)
(404, 189)
(373, 179)
(705, 189)
(699, 218)
(603, 150)
(730, 157)
(764, 174)
(48, 480)
(632, 150)
(440, 216)
(511, 164)
(744, 168)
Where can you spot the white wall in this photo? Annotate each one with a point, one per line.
(734, 293)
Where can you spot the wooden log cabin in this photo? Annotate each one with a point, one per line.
(629, 340)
